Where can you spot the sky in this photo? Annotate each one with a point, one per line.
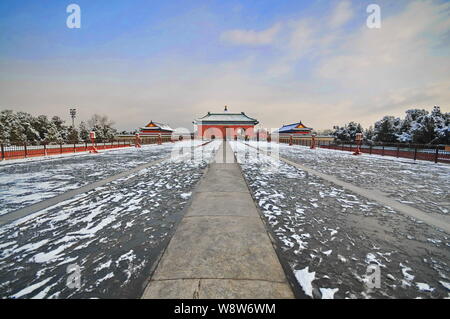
(278, 61)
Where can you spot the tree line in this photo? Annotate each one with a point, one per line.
(419, 126)
(22, 127)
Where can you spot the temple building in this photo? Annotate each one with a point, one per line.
(149, 134)
(300, 134)
(154, 129)
(225, 124)
(295, 129)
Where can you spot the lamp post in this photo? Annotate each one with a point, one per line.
(73, 113)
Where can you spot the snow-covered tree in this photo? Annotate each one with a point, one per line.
(385, 130)
(21, 127)
(418, 126)
(6, 123)
(102, 127)
(52, 135)
(442, 125)
(83, 132)
(369, 134)
(62, 129)
(348, 132)
(431, 128)
(72, 135)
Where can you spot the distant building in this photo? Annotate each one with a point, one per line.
(224, 124)
(301, 135)
(154, 129)
(296, 128)
(149, 133)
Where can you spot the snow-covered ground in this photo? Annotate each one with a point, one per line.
(329, 236)
(23, 183)
(424, 185)
(115, 233)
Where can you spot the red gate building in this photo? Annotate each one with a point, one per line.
(225, 124)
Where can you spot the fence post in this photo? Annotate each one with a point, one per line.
(25, 147)
(382, 152)
(415, 153)
(85, 146)
(60, 148)
(370, 149)
(398, 151)
(3, 151)
(437, 155)
(74, 147)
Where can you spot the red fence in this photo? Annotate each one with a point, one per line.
(24, 151)
(435, 155)
(415, 152)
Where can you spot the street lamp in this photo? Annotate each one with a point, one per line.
(73, 113)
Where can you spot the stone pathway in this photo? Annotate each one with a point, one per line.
(221, 248)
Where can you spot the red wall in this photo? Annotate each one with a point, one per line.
(220, 131)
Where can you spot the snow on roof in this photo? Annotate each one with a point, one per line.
(226, 117)
(157, 126)
(294, 127)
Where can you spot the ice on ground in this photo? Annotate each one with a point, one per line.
(360, 234)
(327, 253)
(424, 287)
(31, 288)
(23, 183)
(328, 293)
(445, 284)
(305, 279)
(423, 185)
(186, 195)
(115, 246)
(405, 271)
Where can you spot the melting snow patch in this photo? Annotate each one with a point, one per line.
(186, 195)
(31, 288)
(305, 279)
(445, 284)
(408, 276)
(424, 287)
(328, 252)
(434, 241)
(328, 293)
(371, 259)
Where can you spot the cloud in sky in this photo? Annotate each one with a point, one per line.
(322, 66)
(342, 14)
(251, 37)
